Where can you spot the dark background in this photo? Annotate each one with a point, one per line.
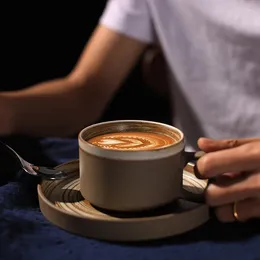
(40, 42)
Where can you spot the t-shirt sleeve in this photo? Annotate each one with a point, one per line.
(129, 17)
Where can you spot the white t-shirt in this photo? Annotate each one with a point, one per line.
(212, 48)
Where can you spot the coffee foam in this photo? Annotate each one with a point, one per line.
(132, 141)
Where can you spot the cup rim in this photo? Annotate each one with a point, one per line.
(121, 154)
(131, 121)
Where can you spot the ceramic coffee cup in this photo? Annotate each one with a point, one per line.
(132, 165)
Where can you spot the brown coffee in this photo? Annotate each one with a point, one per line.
(132, 141)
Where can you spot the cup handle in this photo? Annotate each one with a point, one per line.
(192, 157)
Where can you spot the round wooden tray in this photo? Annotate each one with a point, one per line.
(62, 204)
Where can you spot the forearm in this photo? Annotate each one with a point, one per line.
(63, 107)
(55, 108)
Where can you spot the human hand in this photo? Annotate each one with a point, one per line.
(234, 167)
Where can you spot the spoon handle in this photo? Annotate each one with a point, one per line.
(14, 154)
(40, 171)
(49, 173)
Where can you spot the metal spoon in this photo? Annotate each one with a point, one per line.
(40, 171)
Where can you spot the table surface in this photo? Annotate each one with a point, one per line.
(26, 234)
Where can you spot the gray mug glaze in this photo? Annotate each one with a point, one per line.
(132, 180)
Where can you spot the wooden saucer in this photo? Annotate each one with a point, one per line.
(62, 204)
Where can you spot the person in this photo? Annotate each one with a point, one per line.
(211, 49)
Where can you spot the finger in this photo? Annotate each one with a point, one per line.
(233, 175)
(225, 213)
(227, 177)
(246, 209)
(227, 190)
(242, 158)
(211, 145)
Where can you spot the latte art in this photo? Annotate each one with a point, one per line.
(134, 141)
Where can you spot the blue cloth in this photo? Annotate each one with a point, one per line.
(26, 234)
